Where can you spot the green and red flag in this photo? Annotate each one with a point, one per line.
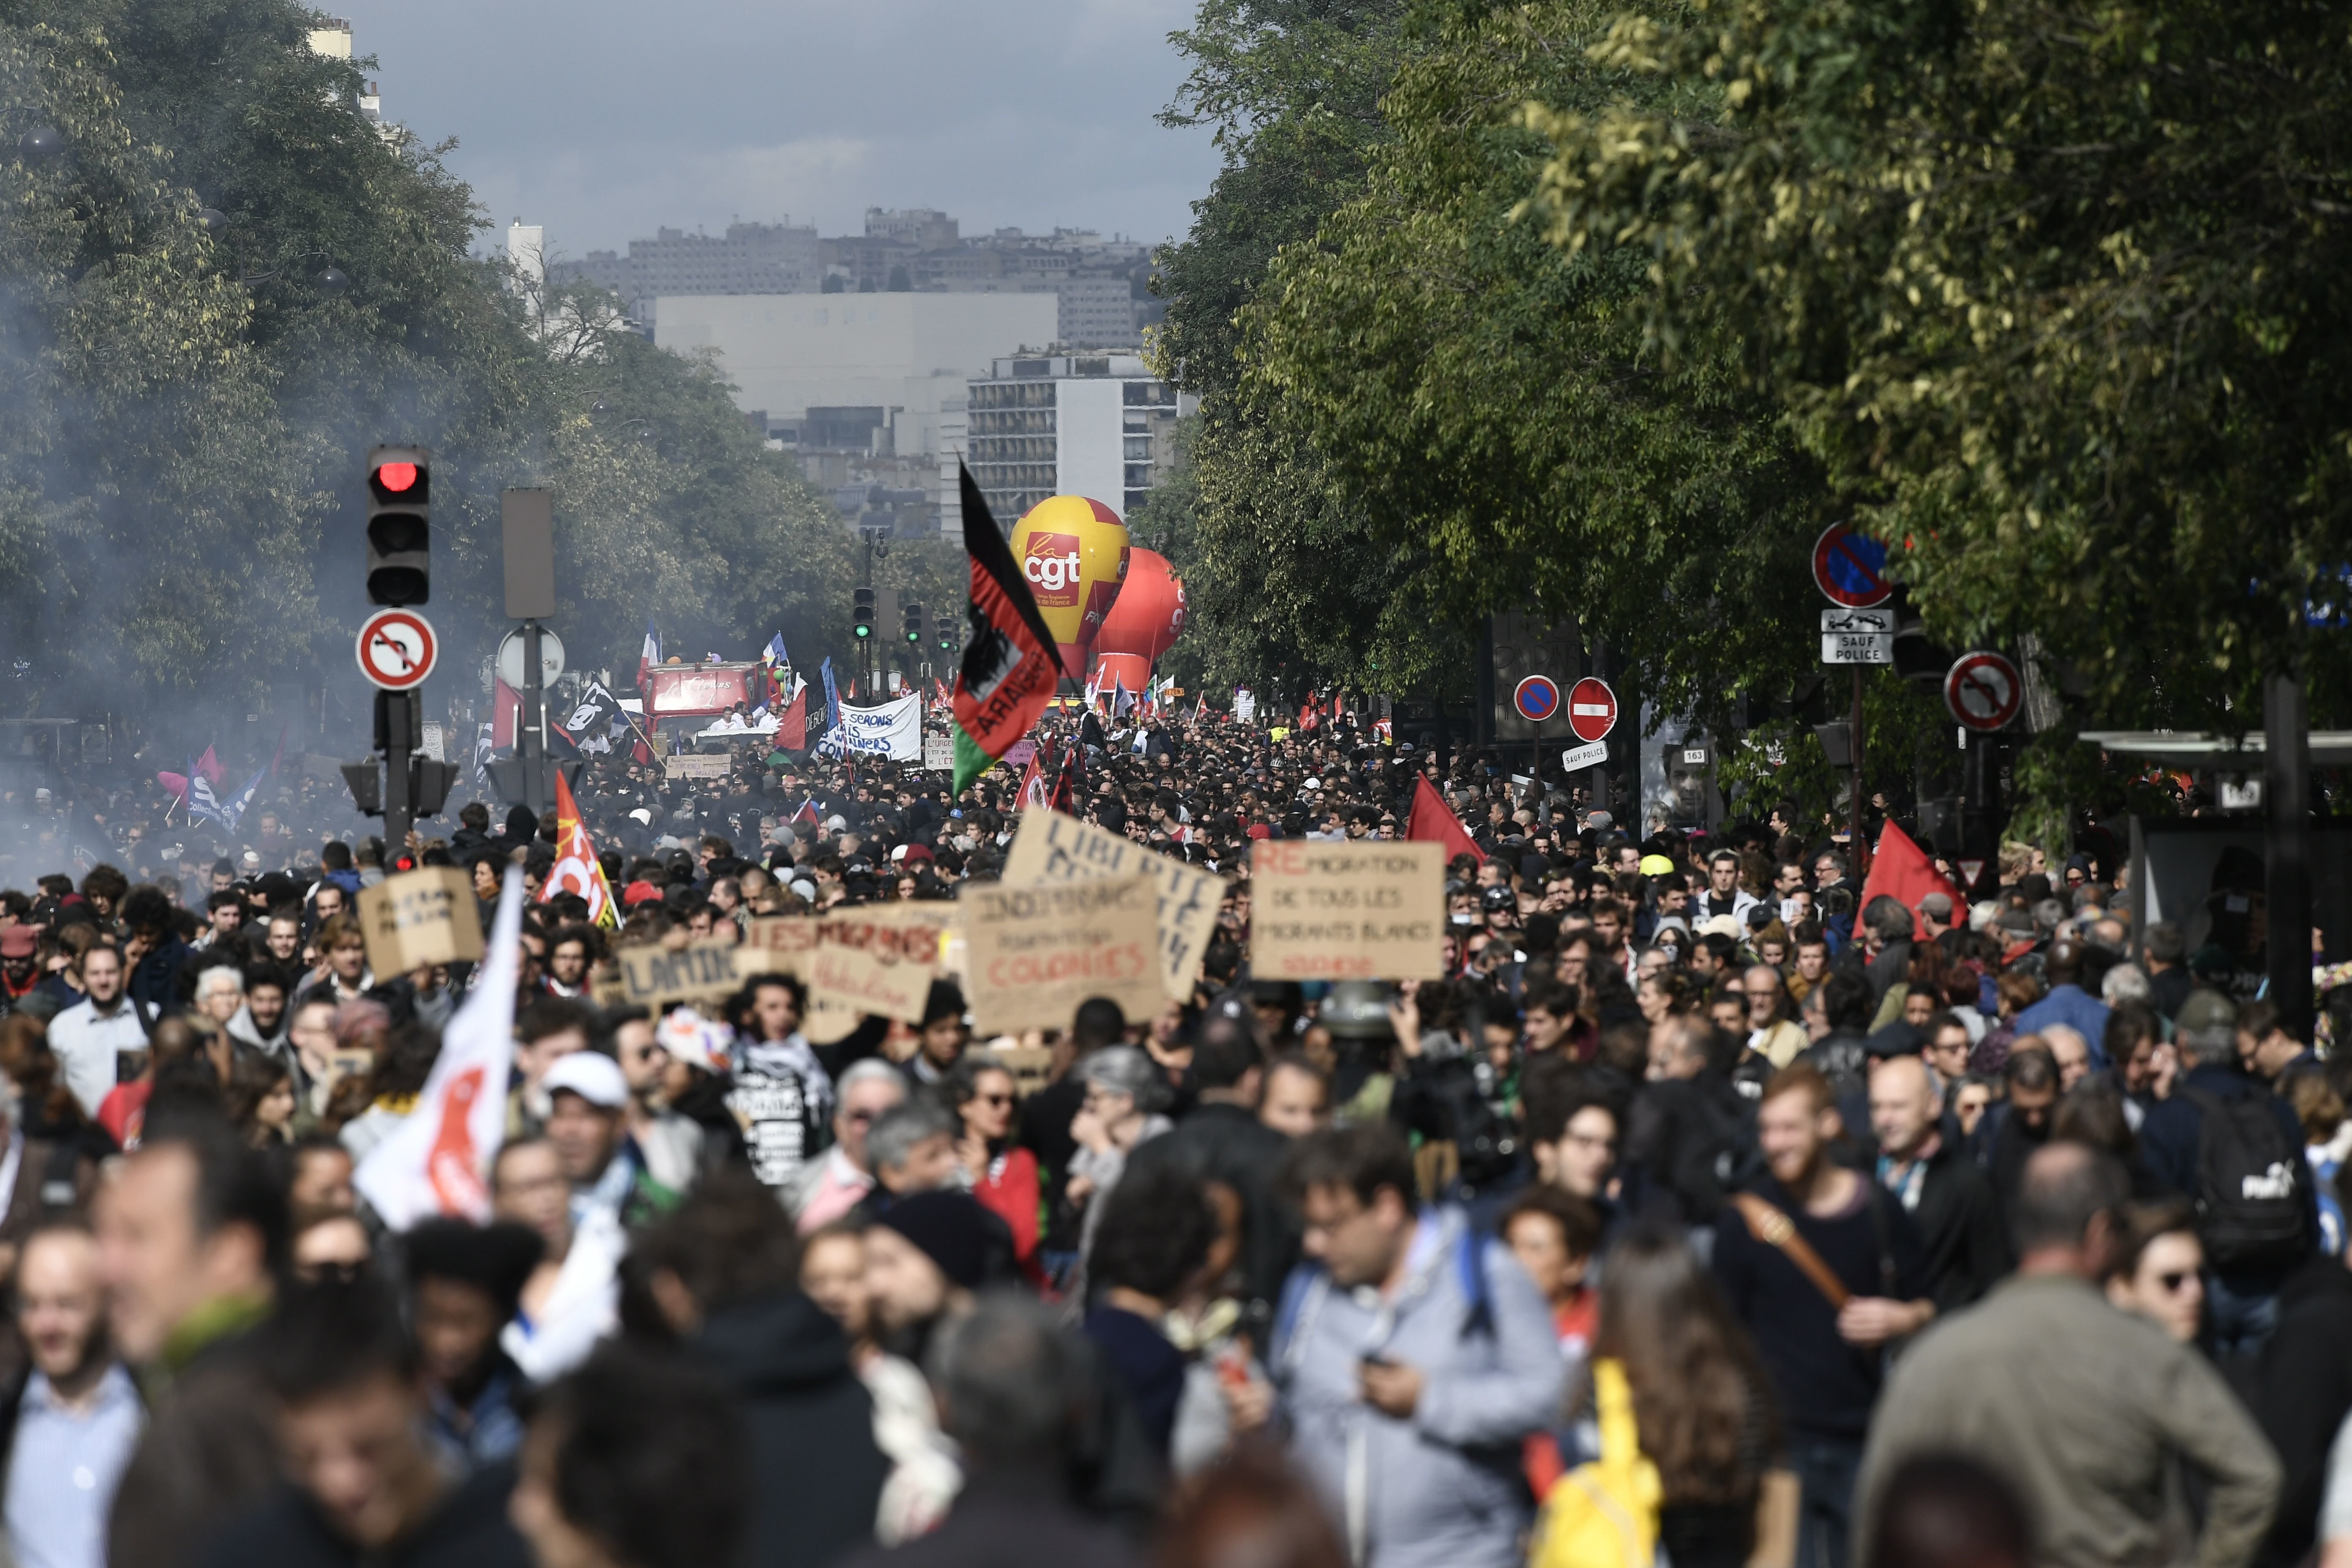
(1011, 668)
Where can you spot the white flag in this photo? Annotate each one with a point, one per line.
(438, 1162)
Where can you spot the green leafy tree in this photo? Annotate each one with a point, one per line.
(2056, 295)
(1492, 403)
(181, 454)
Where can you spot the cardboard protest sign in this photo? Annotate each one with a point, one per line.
(1356, 910)
(412, 918)
(1052, 847)
(874, 958)
(1035, 953)
(699, 766)
(652, 973)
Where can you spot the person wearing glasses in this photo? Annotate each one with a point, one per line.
(1004, 1177)
(838, 1181)
(2158, 1266)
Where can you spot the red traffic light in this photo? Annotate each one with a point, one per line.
(396, 476)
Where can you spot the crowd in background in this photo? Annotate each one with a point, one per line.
(1906, 1234)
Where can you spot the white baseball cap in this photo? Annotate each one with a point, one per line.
(592, 1076)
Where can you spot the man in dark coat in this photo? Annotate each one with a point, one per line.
(1222, 1140)
(725, 1269)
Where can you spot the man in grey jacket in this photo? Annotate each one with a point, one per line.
(1412, 1356)
(2083, 1408)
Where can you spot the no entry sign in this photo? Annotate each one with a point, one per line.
(397, 650)
(1592, 709)
(1849, 568)
(1536, 698)
(1983, 690)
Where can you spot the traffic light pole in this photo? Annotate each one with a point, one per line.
(396, 726)
(532, 724)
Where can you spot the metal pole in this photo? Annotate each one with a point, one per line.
(1600, 787)
(398, 815)
(2286, 790)
(1861, 855)
(533, 724)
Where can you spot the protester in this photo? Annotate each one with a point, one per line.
(1701, 1403)
(365, 1484)
(71, 1426)
(1412, 1358)
(1825, 1270)
(192, 1237)
(572, 1298)
(831, 1187)
(2079, 1407)
(725, 1271)
(466, 1284)
(634, 1462)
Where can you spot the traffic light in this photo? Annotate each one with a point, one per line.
(914, 625)
(399, 525)
(862, 613)
(946, 627)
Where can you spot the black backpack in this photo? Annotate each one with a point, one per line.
(2251, 1185)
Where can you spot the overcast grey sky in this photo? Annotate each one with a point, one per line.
(602, 119)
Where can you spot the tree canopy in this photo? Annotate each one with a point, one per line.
(181, 460)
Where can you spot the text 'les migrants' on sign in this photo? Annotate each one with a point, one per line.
(1337, 911)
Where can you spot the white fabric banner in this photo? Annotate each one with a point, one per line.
(894, 729)
(438, 1162)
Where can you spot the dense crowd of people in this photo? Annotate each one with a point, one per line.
(1796, 1228)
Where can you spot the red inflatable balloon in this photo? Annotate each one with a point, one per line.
(1149, 614)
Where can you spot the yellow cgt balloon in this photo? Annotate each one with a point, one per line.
(1073, 551)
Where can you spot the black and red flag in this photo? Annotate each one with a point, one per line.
(1010, 669)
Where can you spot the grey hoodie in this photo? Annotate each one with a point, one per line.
(1441, 1489)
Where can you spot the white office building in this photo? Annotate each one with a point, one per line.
(1099, 426)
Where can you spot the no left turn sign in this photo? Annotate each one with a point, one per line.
(1983, 690)
(397, 650)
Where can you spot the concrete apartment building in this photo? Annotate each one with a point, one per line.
(1100, 425)
(860, 353)
(748, 258)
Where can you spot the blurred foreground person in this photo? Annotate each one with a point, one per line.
(73, 1423)
(191, 1236)
(2083, 1409)
(725, 1271)
(1250, 1508)
(1013, 1389)
(464, 1284)
(1941, 1510)
(634, 1461)
(1412, 1358)
(365, 1482)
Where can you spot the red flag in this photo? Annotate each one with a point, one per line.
(210, 766)
(792, 725)
(506, 716)
(1032, 781)
(1434, 822)
(1901, 870)
(577, 869)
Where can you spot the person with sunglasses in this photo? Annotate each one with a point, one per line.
(2158, 1268)
(1000, 1175)
(838, 1181)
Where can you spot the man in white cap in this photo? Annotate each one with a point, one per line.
(588, 1126)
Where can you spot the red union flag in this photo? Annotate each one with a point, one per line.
(1010, 668)
(577, 869)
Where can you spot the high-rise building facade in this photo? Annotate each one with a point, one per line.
(1099, 426)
